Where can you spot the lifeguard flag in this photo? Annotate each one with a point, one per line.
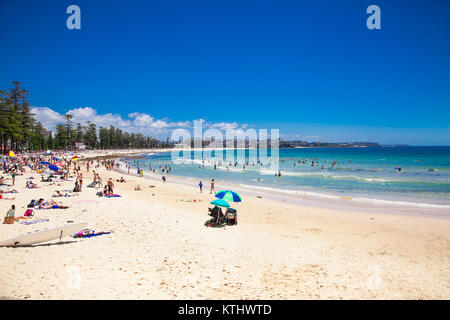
(75, 158)
(11, 154)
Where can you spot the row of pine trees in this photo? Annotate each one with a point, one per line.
(20, 131)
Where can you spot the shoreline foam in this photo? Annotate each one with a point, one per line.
(369, 202)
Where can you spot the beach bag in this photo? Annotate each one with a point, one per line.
(28, 213)
(8, 220)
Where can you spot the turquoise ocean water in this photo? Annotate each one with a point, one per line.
(369, 173)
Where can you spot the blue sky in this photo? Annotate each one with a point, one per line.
(310, 68)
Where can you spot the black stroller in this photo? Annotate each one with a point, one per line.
(218, 218)
(231, 217)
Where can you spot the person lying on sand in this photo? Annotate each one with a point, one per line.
(121, 180)
(51, 204)
(59, 194)
(22, 217)
(3, 198)
(137, 188)
(86, 233)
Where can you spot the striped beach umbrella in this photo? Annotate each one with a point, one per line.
(11, 154)
(228, 195)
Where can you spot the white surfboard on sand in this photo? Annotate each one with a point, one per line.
(43, 235)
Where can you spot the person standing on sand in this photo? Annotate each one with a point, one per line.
(201, 187)
(110, 186)
(212, 187)
(80, 178)
(13, 176)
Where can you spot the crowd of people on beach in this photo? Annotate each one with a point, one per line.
(54, 168)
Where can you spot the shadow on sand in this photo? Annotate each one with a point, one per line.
(59, 243)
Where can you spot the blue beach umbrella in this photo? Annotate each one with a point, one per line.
(228, 195)
(220, 203)
(53, 167)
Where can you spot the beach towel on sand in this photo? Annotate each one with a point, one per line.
(112, 196)
(34, 221)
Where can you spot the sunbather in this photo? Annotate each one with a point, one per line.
(10, 191)
(22, 217)
(86, 233)
(3, 198)
(31, 185)
(51, 204)
(11, 212)
(59, 194)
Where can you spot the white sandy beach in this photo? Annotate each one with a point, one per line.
(160, 248)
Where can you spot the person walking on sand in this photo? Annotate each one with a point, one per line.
(99, 179)
(80, 178)
(13, 176)
(110, 186)
(201, 186)
(212, 187)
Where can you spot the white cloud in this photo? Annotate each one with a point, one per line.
(225, 125)
(47, 117)
(135, 122)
